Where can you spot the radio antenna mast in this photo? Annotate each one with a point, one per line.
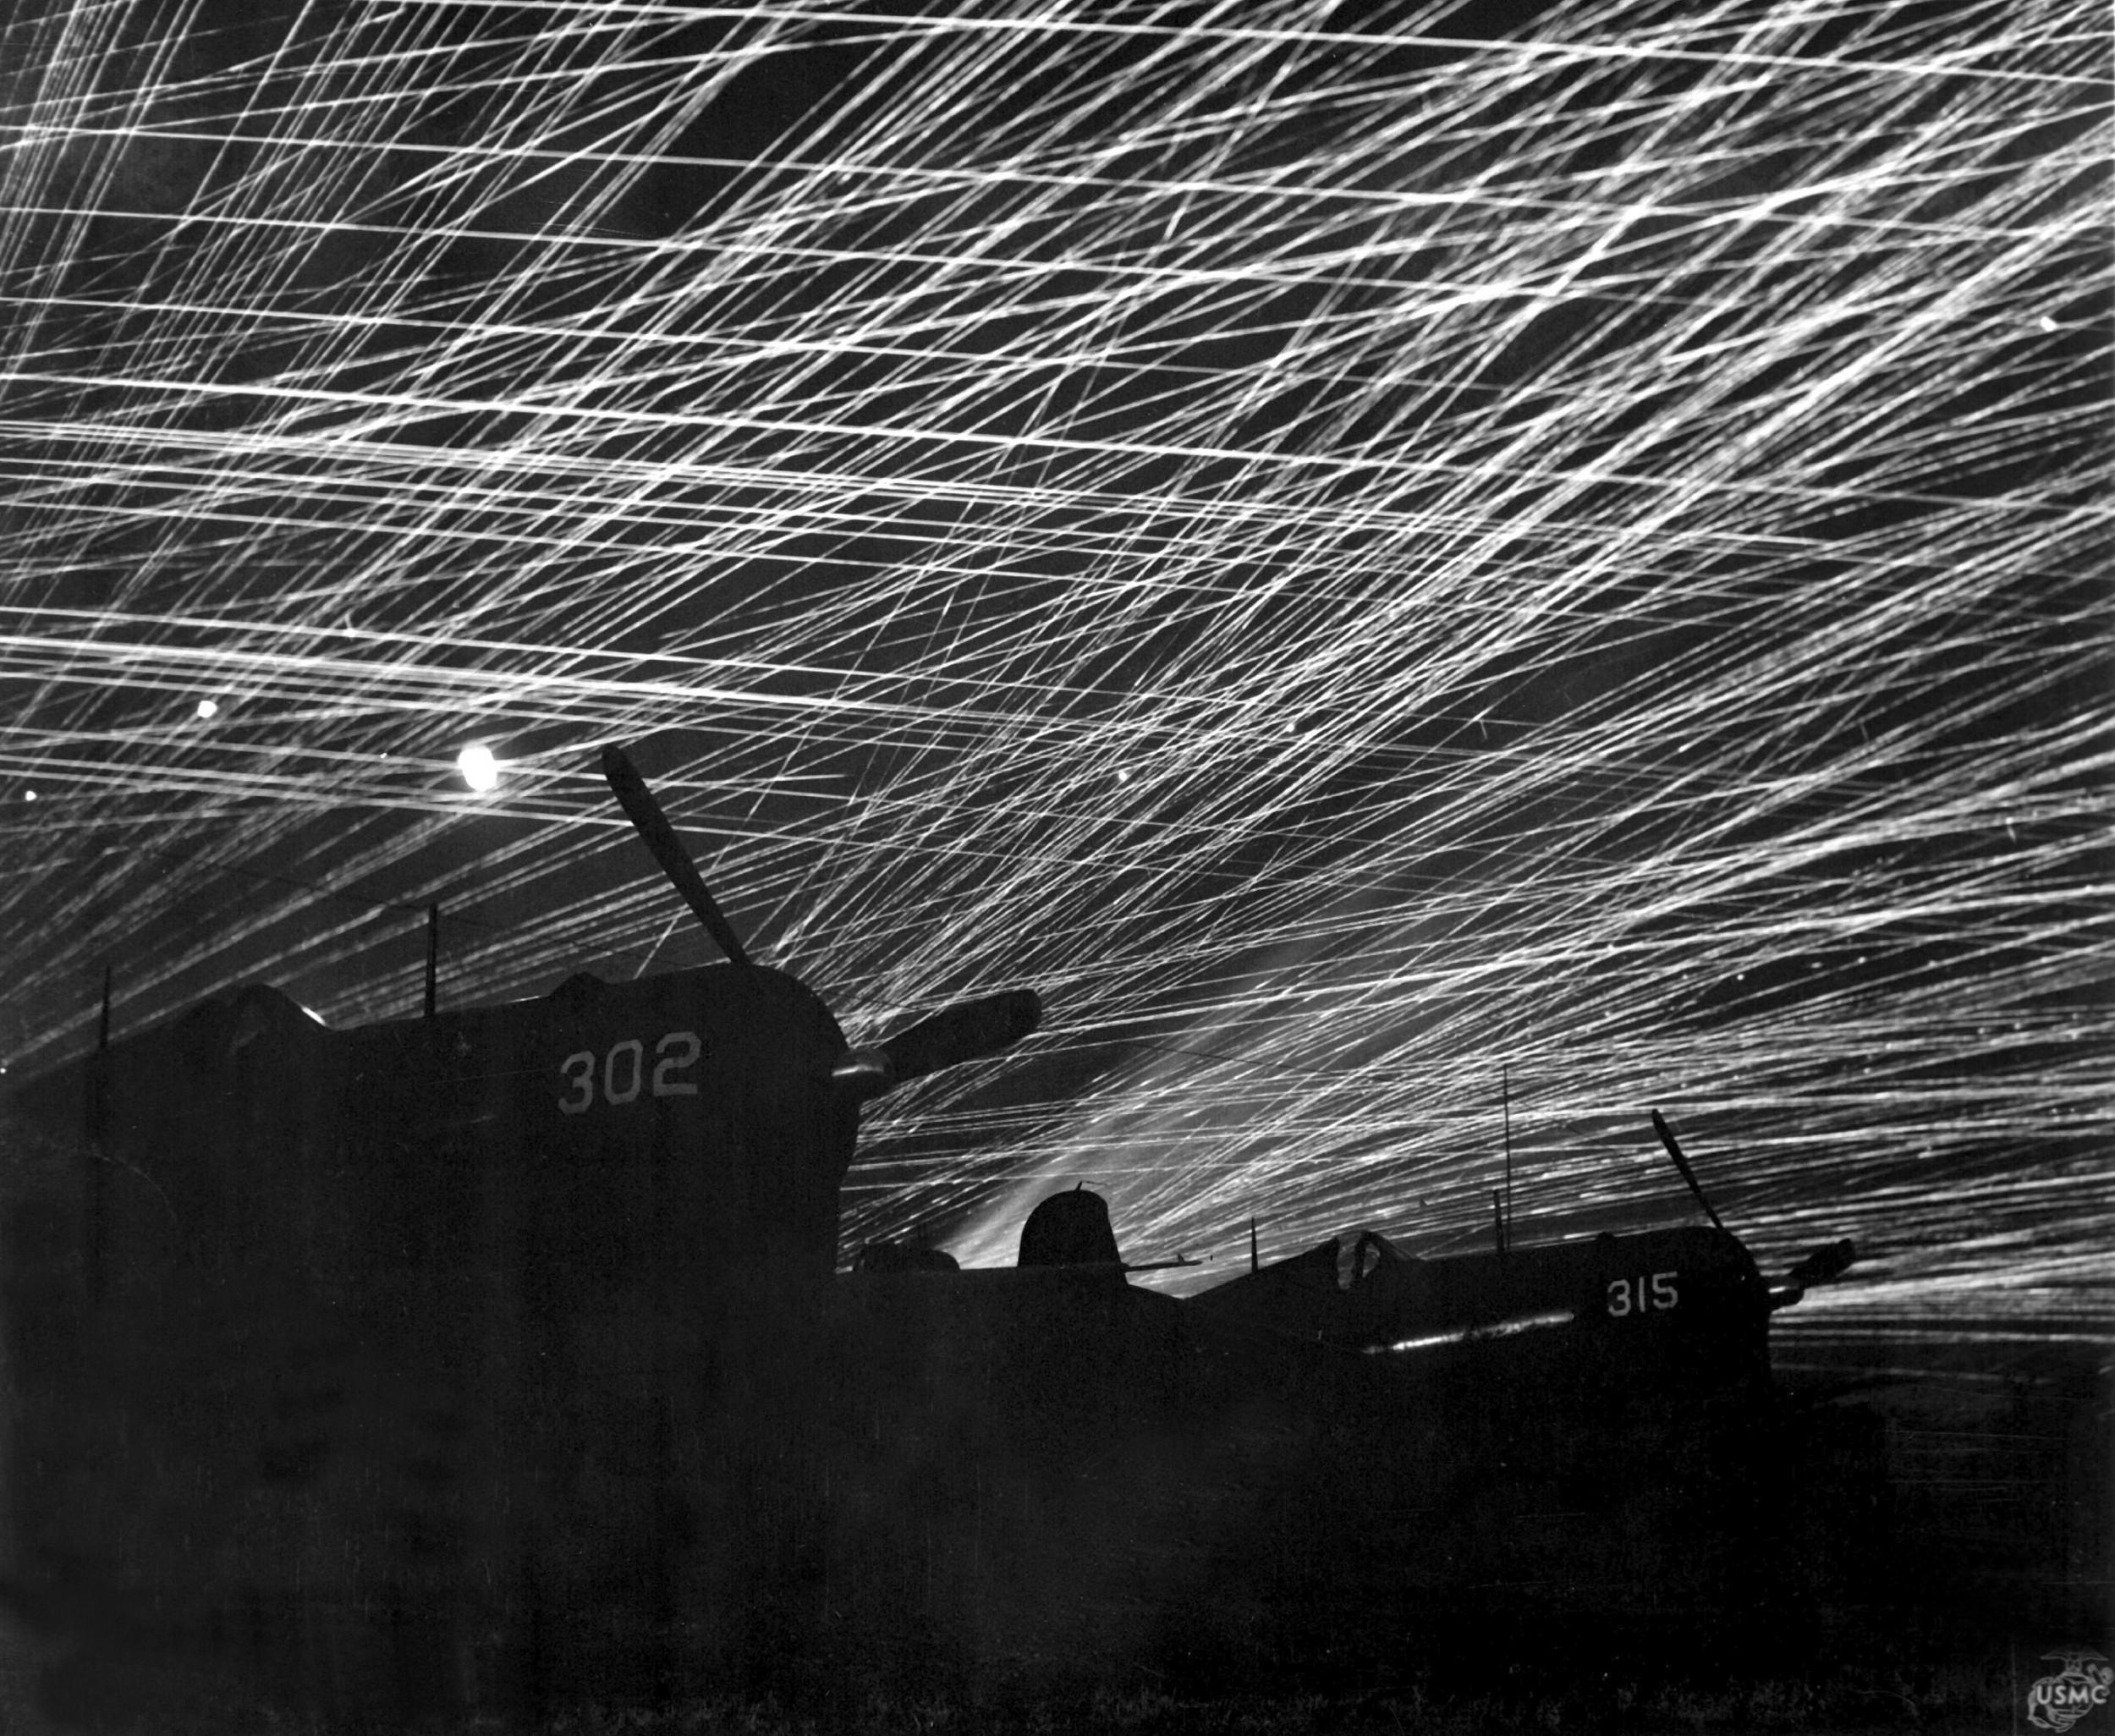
(1505, 1102)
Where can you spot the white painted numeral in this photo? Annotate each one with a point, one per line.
(634, 1051)
(1630, 1295)
(678, 1051)
(624, 1071)
(579, 1072)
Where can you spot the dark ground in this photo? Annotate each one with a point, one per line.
(1994, 1551)
(1953, 1528)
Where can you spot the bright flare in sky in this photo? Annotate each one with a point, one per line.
(480, 770)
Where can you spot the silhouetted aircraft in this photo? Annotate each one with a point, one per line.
(714, 1109)
(1653, 1314)
(465, 1280)
(495, 1355)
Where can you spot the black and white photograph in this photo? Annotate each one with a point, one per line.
(1169, 867)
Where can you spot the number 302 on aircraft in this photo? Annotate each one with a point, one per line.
(622, 1072)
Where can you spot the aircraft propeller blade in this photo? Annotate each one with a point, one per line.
(1822, 1264)
(968, 1030)
(1682, 1164)
(1829, 1260)
(644, 813)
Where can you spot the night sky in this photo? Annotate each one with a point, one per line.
(1411, 570)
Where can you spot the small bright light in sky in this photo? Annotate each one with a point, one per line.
(480, 770)
(29, 795)
(208, 708)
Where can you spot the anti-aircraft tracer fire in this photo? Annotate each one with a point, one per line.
(495, 1356)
